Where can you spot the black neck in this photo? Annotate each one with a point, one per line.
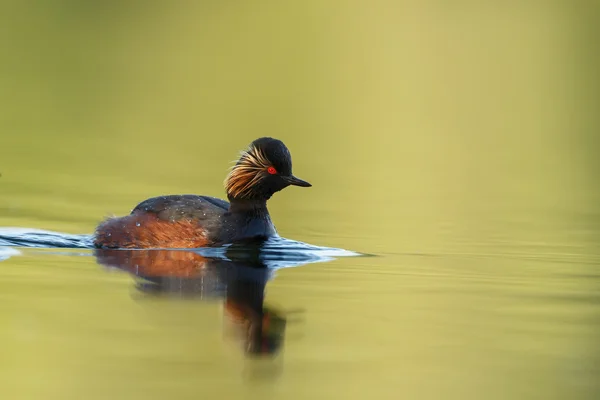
(257, 207)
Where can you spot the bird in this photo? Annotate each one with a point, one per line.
(194, 221)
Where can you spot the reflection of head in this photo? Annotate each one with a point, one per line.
(260, 328)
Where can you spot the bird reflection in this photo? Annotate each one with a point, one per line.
(239, 276)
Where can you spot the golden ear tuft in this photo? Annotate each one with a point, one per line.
(248, 171)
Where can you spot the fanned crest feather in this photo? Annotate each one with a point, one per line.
(248, 171)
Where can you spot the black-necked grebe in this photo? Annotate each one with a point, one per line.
(192, 221)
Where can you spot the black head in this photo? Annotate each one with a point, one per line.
(263, 169)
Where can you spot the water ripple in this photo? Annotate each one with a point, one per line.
(276, 252)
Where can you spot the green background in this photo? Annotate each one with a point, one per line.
(455, 140)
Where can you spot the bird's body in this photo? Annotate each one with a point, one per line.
(192, 221)
(184, 221)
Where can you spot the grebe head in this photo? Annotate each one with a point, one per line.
(264, 168)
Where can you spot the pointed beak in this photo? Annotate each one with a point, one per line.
(292, 180)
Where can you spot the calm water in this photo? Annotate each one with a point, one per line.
(456, 148)
(476, 315)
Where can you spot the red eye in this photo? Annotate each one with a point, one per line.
(271, 170)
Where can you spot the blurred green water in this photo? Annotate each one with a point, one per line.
(457, 142)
